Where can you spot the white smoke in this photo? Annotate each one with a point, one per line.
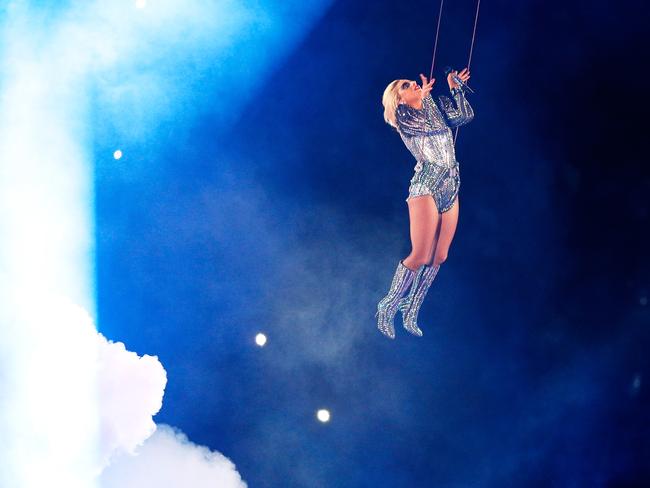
(72, 403)
(130, 393)
(82, 415)
(129, 449)
(134, 451)
(168, 460)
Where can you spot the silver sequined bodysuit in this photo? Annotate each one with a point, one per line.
(427, 134)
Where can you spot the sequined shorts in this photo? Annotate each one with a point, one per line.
(438, 181)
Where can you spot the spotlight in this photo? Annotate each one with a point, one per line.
(323, 415)
(117, 154)
(260, 339)
(141, 3)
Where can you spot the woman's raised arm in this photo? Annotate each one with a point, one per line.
(460, 112)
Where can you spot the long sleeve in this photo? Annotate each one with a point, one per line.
(426, 132)
(410, 121)
(458, 113)
(427, 121)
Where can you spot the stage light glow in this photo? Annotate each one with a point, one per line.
(49, 421)
(53, 74)
(643, 301)
(323, 415)
(260, 339)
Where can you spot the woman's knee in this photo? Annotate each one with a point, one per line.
(417, 260)
(439, 258)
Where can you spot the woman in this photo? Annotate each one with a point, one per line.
(425, 128)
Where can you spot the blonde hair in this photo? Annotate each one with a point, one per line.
(390, 100)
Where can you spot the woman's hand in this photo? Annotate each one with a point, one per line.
(463, 75)
(426, 87)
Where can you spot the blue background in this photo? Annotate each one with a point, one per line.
(283, 212)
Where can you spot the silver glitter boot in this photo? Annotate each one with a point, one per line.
(410, 306)
(387, 307)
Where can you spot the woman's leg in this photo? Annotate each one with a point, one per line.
(423, 218)
(449, 221)
(423, 215)
(435, 240)
(410, 307)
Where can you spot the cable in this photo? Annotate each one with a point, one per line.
(471, 50)
(435, 45)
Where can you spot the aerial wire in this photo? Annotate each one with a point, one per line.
(471, 49)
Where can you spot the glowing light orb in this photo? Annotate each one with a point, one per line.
(141, 3)
(323, 415)
(117, 154)
(260, 339)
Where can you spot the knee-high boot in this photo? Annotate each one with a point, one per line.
(410, 305)
(387, 307)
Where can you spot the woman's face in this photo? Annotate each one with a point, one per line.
(409, 92)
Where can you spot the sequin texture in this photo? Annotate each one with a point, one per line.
(387, 307)
(427, 135)
(411, 305)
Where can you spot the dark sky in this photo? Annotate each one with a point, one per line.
(533, 369)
